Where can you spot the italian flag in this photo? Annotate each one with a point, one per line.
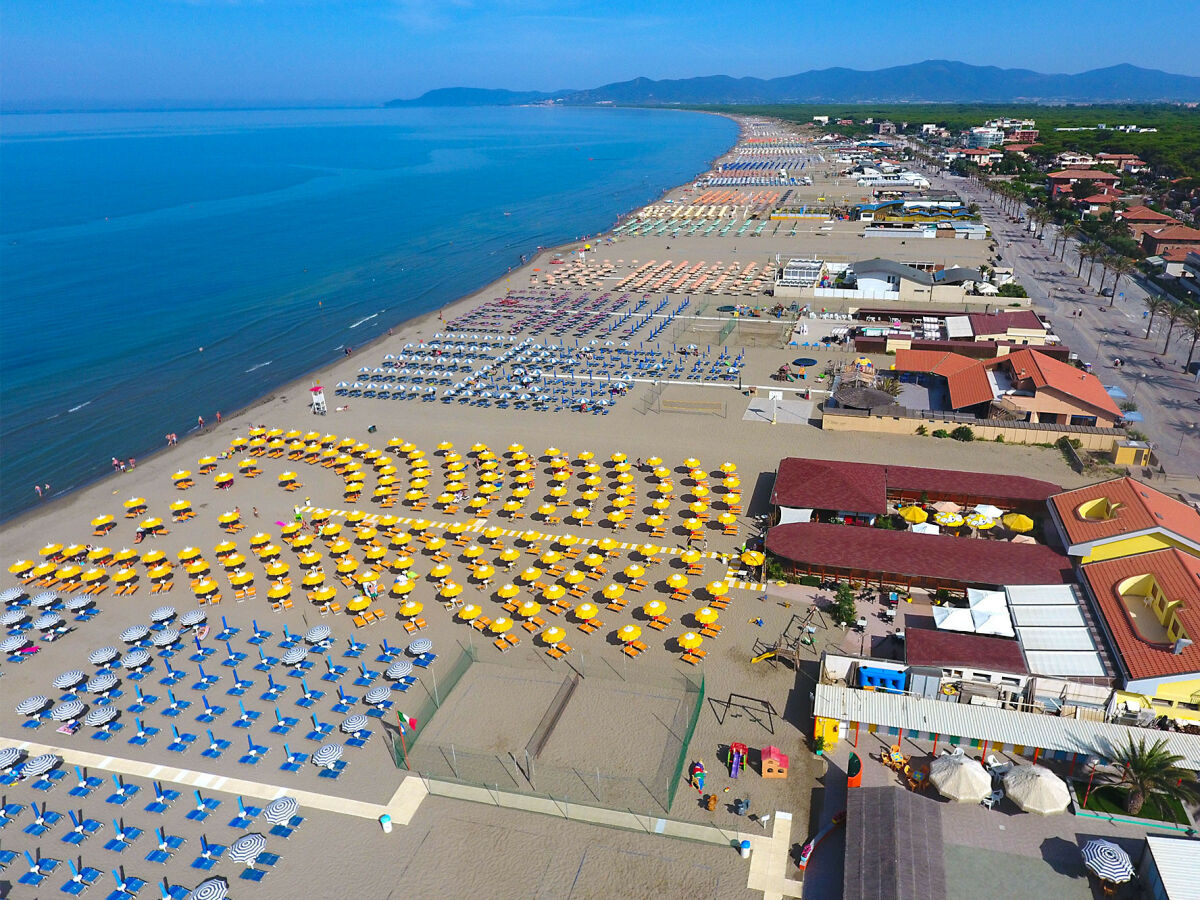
(406, 722)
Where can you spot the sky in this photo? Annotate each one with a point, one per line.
(122, 53)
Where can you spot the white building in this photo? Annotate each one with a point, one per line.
(985, 137)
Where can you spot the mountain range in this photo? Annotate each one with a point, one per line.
(932, 81)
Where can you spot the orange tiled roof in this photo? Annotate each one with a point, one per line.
(1142, 509)
(1178, 576)
(966, 378)
(1144, 214)
(1046, 372)
(1175, 233)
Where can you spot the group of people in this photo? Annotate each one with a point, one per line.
(120, 465)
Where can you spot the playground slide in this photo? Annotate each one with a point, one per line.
(735, 765)
(768, 655)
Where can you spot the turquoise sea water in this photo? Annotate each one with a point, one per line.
(271, 239)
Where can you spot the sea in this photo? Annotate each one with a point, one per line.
(160, 266)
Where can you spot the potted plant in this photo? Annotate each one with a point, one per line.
(819, 745)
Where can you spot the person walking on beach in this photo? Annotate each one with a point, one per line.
(116, 464)
(38, 489)
(132, 463)
(121, 464)
(254, 509)
(218, 417)
(200, 422)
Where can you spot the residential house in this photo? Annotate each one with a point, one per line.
(1141, 219)
(1062, 181)
(1098, 204)
(1022, 136)
(1170, 237)
(1124, 162)
(1071, 159)
(1021, 326)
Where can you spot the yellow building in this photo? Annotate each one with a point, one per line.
(1149, 607)
(1120, 518)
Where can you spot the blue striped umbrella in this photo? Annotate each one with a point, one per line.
(246, 848)
(102, 683)
(193, 617)
(103, 655)
(64, 712)
(77, 603)
(399, 669)
(31, 705)
(294, 656)
(356, 722)
(134, 633)
(212, 889)
(11, 595)
(9, 756)
(69, 679)
(327, 755)
(281, 809)
(101, 715)
(1107, 861)
(44, 599)
(135, 658)
(49, 620)
(162, 614)
(317, 633)
(377, 694)
(166, 637)
(13, 643)
(12, 617)
(419, 646)
(39, 765)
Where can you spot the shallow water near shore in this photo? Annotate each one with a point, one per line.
(160, 266)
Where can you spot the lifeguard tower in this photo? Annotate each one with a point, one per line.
(318, 400)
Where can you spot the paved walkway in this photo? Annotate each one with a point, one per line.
(768, 863)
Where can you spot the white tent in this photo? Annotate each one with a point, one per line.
(986, 509)
(953, 618)
(1036, 789)
(926, 528)
(997, 623)
(987, 601)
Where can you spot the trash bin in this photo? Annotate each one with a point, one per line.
(854, 772)
(386, 822)
(745, 849)
(370, 429)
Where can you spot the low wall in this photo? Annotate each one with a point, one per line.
(908, 421)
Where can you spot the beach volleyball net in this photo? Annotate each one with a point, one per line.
(604, 738)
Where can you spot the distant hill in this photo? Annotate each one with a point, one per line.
(937, 81)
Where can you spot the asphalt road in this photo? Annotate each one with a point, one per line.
(1168, 399)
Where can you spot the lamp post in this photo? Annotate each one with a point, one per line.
(1190, 430)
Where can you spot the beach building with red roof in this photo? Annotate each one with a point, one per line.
(1025, 385)
(1061, 182)
(1149, 608)
(906, 559)
(1123, 517)
(1170, 237)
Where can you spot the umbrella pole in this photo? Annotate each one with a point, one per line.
(935, 739)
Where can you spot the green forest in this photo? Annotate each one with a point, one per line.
(1172, 150)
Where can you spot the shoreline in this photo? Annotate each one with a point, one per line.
(393, 330)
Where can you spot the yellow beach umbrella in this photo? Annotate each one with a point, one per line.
(717, 588)
(661, 504)
(410, 608)
(199, 567)
(914, 515)
(529, 608)
(554, 592)
(483, 572)
(706, 615)
(450, 590)
(533, 573)
(96, 554)
(691, 556)
(508, 591)
(613, 591)
(627, 633)
(153, 557)
(689, 640)
(51, 549)
(180, 506)
(677, 581)
(500, 625)
(240, 578)
(1017, 522)
(92, 575)
(124, 555)
(309, 558)
(510, 554)
(441, 570)
(654, 608)
(234, 560)
(567, 540)
(21, 566)
(125, 575)
(634, 571)
(303, 541)
(472, 551)
(101, 521)
(550, 557)
(553, 635)
(66, 573)
(277, 569)
(402, 587)
(325, 593)
(135, 503)
(278, 591)
(314, 578)
(346, 565)
(753, 558)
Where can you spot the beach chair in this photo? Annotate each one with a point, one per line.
(637, 586)
(534, 624)
(631, 651)
(711, 631)
(659, 624)
(681, 594)
(359, 621)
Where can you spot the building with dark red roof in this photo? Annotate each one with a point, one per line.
(953, 649)
(866, 489)
(1170, 237)
(1141, 219)
(907, 559)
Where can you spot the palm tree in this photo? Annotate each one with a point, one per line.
(1153, 772)
(1190, 320)
(1105, 259)
(1091, 251)
(1067, 232)
(1120, 266)
(1154, 305)
(1173, 312)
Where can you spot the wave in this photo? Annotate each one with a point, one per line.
(260, 365)
(80, 406)
(367, 319)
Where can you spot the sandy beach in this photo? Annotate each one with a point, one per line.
(616, 728)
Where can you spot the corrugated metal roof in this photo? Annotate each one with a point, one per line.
(1053, 630)
(1060, 616)
(1175, 859)
(1056, 639)
(958, 327)
(985, 723)
(1025, 594)
(1065, 663)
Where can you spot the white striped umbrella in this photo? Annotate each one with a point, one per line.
(398, 669)
(39, 765)
(77, 603)
(354, 723)
(32, 705)
(135, 658)
(1107, 861)
(48, 621)
(246, 848)
(102, 683)
(134, 633)
(162, 614)
(69, 679)
(377, 695)
(11, 595)
(9, 756)
(101, 715)
(280, 809)
(193, 617)
(420, 645)
(13, 643)
(317, 633)
(11, 617)
(64, 712)
(327, 755)
(210, 889)
(44, 599)
(166, 637)
(103, 655)
(294, 656)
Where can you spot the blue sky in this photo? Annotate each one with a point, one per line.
(129, 52)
